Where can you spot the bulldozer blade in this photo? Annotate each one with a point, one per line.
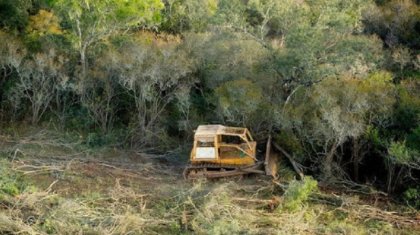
(271, 160)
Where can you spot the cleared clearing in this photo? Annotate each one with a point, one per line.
(64, 188)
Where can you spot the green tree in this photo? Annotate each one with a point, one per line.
(395, 22)
(232, 68)
(284, 46)
(399, 144)
(188, 15)
(12, 55)
(154, 73)
(336, 111)
(14, 13)
(305, 37)
(89, 22)
(239, 100)
(38, 79)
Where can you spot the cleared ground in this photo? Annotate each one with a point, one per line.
(53, 184)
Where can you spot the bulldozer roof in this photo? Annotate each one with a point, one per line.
(213, 130)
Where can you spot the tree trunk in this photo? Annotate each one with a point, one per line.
(83, 62)
(82, 44)
(356, 159)
(329, 158)
(391, 169)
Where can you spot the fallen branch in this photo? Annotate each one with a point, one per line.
(31, 169)
(353, 187)
(327, 199)
(51, 185)
(270, 204)
(258, 201)
(368, 212)
(282, 186)
(15, 154)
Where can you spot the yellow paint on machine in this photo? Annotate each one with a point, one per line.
(217, 144)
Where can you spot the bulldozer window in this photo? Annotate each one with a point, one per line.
(205, 142)
(231, 139)
(227, 147)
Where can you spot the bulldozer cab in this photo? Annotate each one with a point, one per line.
(221, 144)
(221, 151)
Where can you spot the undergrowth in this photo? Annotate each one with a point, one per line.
(201, 208)
(298, 193)
(11, 183)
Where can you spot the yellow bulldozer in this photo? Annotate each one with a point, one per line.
(222, 151)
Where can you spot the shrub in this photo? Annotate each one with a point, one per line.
(10, 183)
(412, 197)
(10, 188)
(99, 139)
(298, 192)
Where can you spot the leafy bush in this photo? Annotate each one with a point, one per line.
(10, 183)
(413, 139)
(412, 197)
(10, 188)
(95, 139)
(99, 139)
(399, 153)
(298, 193)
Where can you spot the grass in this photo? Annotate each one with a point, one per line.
(48, 189)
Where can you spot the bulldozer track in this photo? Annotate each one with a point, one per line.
(219, 170)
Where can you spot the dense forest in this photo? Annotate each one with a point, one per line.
(335, 82)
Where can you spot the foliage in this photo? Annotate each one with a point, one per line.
(239, 99)
(89, 22)
(314, 39)
(188, 15)
(12, 52)
(400, 154)
(154, 76)
(412, 197)
(95, 140)
(14, 13)
(298, 192)
(122, 13)
(39, 77)
(395, 22)
(335, 111)
(10, 182)
(44, 22)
